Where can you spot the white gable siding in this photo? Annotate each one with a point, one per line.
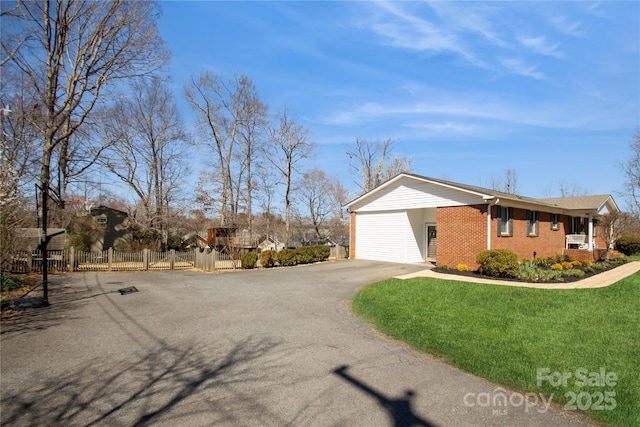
(409, 193)
(389, 236)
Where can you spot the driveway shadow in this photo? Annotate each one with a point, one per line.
(164, 383)
(400, 410)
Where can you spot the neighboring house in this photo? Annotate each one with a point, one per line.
(270, 244)
(31, 239)
(112, 227)
(413, 218)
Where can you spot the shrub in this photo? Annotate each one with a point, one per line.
(248, 260)
(557, 267)
(287, 257)
(536, 273)
(587, 262)
(566, 265)
(573, 272)
(268, 258)
(444, 266)
(619, 261)
(577, 263)
(304, 254)
(9, 283)
(462, 267)
(498, 262)
(628, 245)
(322, 252)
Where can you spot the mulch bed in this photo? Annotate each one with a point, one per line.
(478, 275)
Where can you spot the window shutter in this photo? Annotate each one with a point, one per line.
(510, 216)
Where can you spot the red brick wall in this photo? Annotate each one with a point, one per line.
(462, 234)
(547, 243)
(352, 235)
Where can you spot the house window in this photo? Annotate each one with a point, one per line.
(555, 222)
(532, 223)
(577, 225)
(505, 221)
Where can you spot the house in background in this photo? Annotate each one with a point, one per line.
(112, 226)
(270, 244)
(30, 239)
(413, 218)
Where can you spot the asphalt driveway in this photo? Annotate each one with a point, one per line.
(258, 348)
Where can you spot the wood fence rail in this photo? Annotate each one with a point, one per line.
(111, 260)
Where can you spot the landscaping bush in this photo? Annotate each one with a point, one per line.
(287, 258)
(268, 258)
(567, 265)
(305, 255)
(628, 245)
(322, 252)
(557, 267)
(463, 267)
(573, 272)
(248, 260)
(9, 283)
(498, 262)
(536, 273)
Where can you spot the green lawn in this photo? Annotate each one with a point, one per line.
(506, 334)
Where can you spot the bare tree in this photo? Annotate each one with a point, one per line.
(230, 116)
(631, 170)
(72, 52)
(508, 183)
(616, 225)
(289, 144)
(149, 153)
(316, 197)
(374, 163)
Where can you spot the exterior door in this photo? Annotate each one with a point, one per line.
(431, 241)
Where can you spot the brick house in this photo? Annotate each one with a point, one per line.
(413, 218)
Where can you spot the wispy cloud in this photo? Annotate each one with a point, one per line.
(566, 27)
(407, 30)
(518, 66)
(542, 46)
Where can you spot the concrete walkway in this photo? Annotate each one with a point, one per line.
(598, 281)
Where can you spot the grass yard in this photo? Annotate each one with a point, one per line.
(506, 334)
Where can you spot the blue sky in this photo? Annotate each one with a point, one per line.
(466, 89)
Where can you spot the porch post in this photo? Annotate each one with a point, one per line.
(590, 233)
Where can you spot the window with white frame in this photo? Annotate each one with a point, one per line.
(532, 223)
(555, 222)
(505, 221)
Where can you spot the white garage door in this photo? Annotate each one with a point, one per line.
(386, 236)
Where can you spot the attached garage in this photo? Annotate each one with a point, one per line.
(394, 236)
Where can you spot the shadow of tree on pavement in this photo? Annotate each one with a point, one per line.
(168, 382)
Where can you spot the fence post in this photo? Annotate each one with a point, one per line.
(145, 259)
(110, 259)
(72, 259)
(172, 258)
(213, 260)
(29, 260)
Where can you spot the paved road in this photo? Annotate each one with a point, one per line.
(258, 348)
